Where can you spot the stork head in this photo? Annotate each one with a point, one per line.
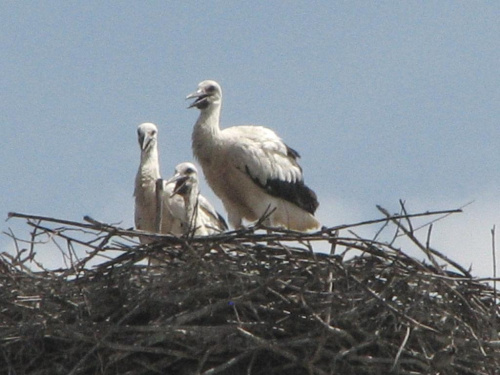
(208, 93)
(185, 178)
(147, 134)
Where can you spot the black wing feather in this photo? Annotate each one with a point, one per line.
(222, 221)
(292, 153)
(294, 192)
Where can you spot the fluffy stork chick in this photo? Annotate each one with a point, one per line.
(149, 202)
(250, 168)
(198, 216)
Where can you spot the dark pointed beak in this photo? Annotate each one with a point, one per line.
(180, 184)
(200, 99)
(144, 141)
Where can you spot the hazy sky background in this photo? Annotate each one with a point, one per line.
(384, 100)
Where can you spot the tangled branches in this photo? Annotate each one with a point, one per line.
(241, 303)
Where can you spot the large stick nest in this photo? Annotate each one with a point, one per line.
(240, 303)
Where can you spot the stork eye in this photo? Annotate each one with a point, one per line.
(211, 88)
(189, 170)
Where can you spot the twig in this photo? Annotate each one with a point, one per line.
(400, 350)
(329, 280)
(394, 217)
(495, 297)
(410, 235)
(228, 364)
(403, 210)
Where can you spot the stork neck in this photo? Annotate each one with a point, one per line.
(208, 121)
(206, 134)
(149, 163)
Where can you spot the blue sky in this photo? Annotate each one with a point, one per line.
(384, 100)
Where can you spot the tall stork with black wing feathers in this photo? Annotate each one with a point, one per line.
(250, 168)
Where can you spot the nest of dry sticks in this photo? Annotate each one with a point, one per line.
(242, 302)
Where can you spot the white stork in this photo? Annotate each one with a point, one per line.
(152, 207)
(250, 168)
(198, 216)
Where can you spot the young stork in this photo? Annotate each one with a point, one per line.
(198, 216)
(250, 168)
(153, 207)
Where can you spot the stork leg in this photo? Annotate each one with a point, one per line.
(234, 219)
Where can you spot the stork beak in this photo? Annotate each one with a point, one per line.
(180, 184)
(144, 141)
(199, 95)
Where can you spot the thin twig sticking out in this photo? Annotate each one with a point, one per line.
(430, 252)
(495, 297)
(329, 280)
(409, 233)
